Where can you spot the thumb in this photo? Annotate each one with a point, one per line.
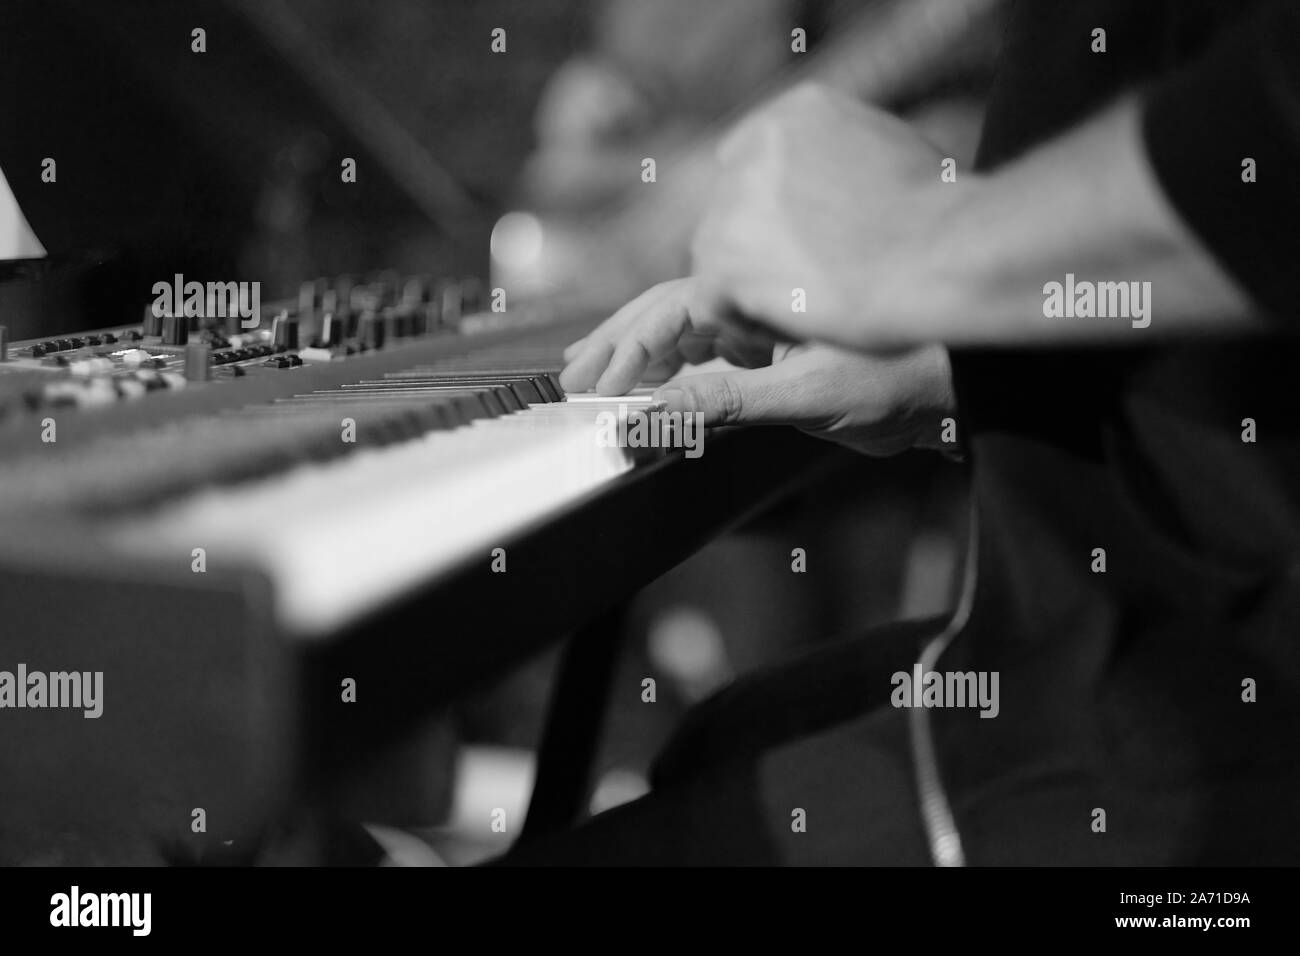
(761, 396)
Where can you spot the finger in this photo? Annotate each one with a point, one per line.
(653, 336)
(696, 348)
(662, 370)
(772, 395)
(574, 349)
(613, 328)
(588, 363)
(581, 373)
(745, 344)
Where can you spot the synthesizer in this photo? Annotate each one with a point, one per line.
(179, 438)
(378, 486)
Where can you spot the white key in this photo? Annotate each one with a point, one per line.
(344, 537)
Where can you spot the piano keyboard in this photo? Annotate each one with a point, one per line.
(348, 496)
(457, 466)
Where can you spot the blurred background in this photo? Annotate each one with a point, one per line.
(523, 166)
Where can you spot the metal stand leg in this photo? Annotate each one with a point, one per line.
(573, 725)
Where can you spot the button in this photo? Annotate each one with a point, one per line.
(129, 388)
(133, 358)
(91, 366)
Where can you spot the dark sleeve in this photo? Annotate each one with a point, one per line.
(1240, 100)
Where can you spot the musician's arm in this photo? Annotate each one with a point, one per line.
(1019, 256)
(1193, 188)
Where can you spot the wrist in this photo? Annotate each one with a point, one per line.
(933, 281)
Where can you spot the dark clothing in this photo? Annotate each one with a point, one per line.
(1120, 691)
(815, 735)
(1127, 684)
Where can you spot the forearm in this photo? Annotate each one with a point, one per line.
(1086, 206)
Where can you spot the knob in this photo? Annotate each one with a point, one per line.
(414, 291)
(389, 283)
(471, 296)
(309, 296)
(370, 330)
(175, 330)
(198, 362)
(343, 294)
(332, 330)
(152, 324)
(284, 331)
(449, 302)
(398, 323)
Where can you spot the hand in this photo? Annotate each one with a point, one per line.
(848, 204)
(821, 194)
(657, 333)
(875, 404)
